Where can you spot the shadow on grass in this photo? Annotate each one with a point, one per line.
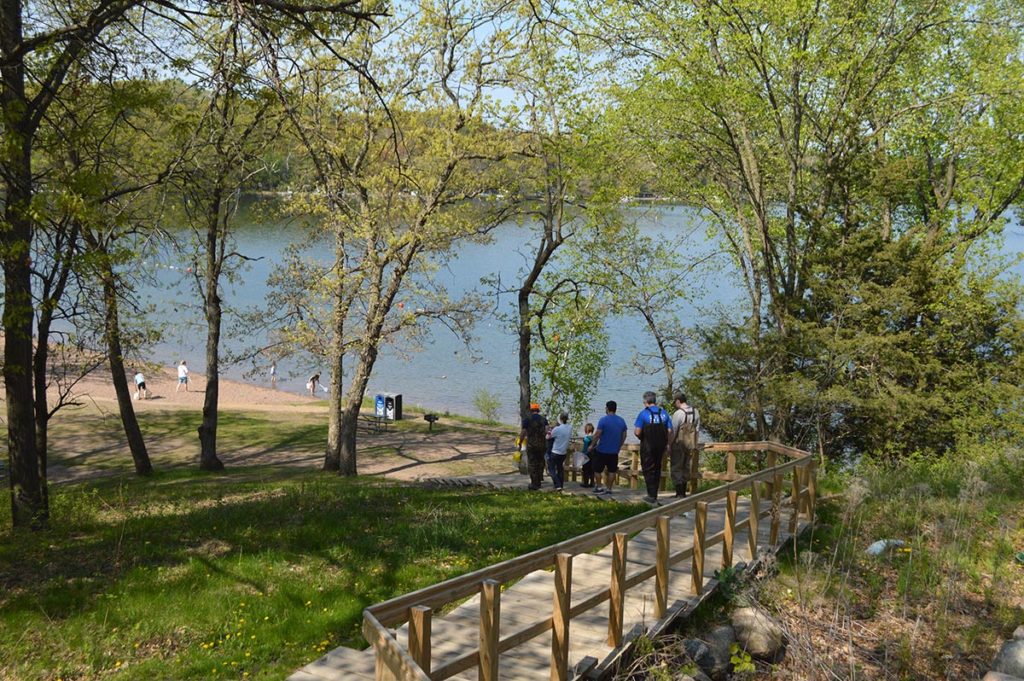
(182, 549)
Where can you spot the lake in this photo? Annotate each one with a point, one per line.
(444, 375)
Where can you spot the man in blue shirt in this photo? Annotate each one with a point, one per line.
(609, 436)
(652, 426)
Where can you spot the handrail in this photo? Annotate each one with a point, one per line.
(393, 661)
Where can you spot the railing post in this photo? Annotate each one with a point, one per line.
(812, 489)
(700, 521)
(617, 602)
(773, 535)
(419, 636)
(560, 618)
(753, 523)
(730, 465)
(771, 486)
(695, 468)
(795, 499)
(730, 528)
(661, 576)
(490, 618)
(570, 459)
(634, 469)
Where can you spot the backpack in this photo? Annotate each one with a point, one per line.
(654, 434)
(686, 433)
(536, 431)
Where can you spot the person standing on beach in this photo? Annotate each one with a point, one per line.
(311, 383)
(140, 386)
(653, 426)
(182, 376)
(534, 434)
(685, 429)
(609, 436)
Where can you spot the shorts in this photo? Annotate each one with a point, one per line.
(605, 462)
(182, 379)
(140, 386)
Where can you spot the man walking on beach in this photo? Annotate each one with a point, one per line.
(534, 434)
(609, 436)
(685, 430)
(653, 426)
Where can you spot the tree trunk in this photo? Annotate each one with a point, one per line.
(335, 410)
(115, 355)
(350, 415)
(208, 460)
(28, 498)
(525, 339)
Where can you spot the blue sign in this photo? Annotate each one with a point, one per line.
(378, 407)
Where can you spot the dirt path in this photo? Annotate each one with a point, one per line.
(260, 427)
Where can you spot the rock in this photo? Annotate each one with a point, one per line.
(700, 653)
(719, 640)
(1010, 658)
(693, 676)
(996, 676)
(1018, 633)
(757, 633)
(879, 547)
(740, 567)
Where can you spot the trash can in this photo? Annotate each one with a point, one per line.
(393, 407)
(379, 406)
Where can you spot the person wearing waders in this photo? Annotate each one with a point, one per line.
(653, 426)
(685, 431)
(534, 434)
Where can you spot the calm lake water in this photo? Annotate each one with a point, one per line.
(444, 374)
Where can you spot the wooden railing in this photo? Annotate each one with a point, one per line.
(393, 661)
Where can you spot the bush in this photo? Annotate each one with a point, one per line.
(487, 403)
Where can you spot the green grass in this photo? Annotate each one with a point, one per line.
(191, 576)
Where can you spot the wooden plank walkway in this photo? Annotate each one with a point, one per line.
(527, 602)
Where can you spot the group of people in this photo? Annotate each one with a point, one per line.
(660, 435)
(142, 392)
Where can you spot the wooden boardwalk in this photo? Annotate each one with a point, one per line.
(524, 629)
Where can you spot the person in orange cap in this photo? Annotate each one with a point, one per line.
(534, 434)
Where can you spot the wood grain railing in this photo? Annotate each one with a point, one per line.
(413, 663)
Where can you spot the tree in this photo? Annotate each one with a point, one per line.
(405, 165)
(224, 155)
(828, 143)
(37, 50)
(568, 181)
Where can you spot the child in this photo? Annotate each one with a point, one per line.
(583, 457)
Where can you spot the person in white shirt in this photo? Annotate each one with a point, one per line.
(560, 434)
(182, 376)
(140, 386)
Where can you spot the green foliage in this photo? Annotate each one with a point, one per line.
(191, 576)
(487, 403)
(858, 183)
(742, 662)
(570, 356)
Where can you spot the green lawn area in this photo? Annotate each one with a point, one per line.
(245, 575)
